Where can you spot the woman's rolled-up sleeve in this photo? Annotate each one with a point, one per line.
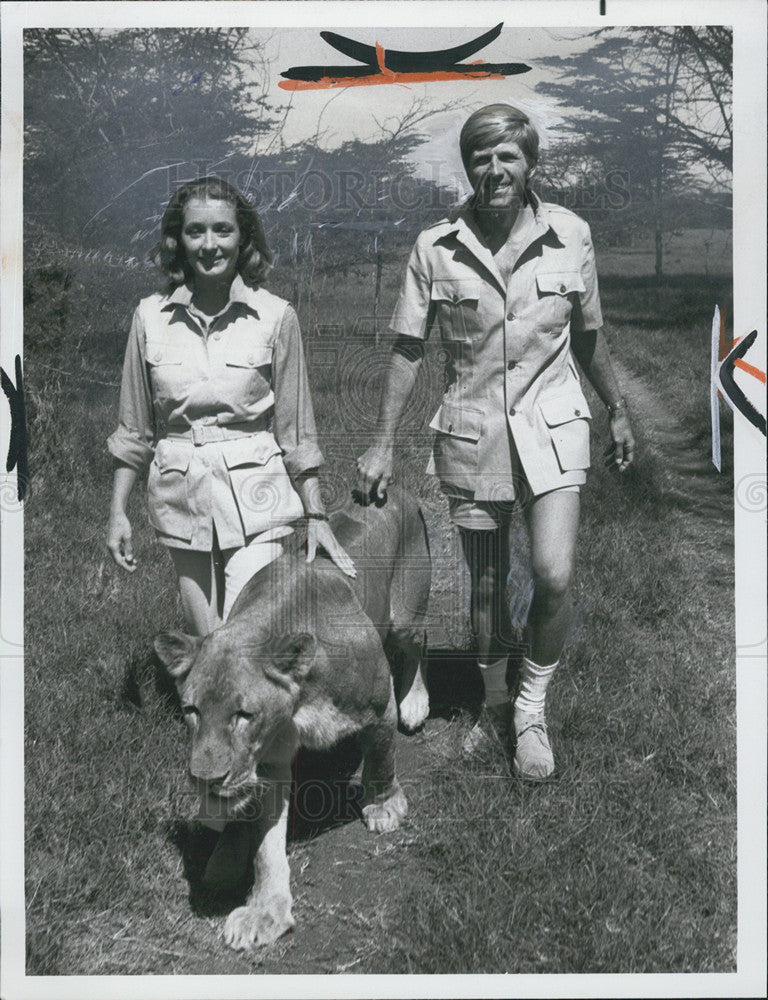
(294, 423)
(133, 441)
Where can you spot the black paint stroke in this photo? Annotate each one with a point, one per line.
(410, 62)
(17, 447)
(437, 61)
(728, 383)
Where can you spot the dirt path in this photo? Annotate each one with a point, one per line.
(346, 883)
(347, 880)
(693, 484)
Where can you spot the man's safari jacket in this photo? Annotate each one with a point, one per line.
(514, 406)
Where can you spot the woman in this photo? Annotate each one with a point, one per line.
(215, 402)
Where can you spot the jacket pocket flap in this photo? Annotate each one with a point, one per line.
(250, 450)
(248, 356)
(172, 456)
(560, 282)
(160, 353)
(560, 409)
(458, 421)
(456, 290)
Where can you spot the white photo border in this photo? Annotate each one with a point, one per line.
(748, 19)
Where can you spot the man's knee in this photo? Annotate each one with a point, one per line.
(552, 581)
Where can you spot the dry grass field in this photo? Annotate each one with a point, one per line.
(624, 863)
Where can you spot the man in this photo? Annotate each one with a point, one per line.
(511, 283)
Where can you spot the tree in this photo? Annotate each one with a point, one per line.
(337, 211)
(701, 116)
(113, 120)
(657, 112)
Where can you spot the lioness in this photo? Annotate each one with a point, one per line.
(300, 661)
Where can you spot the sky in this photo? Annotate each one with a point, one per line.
(336, 116)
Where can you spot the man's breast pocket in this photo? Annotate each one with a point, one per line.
(556, 291)
(458, 305)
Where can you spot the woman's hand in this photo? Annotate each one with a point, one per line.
(320, 533)
(375, 467)
(119, 541)
(622, 451)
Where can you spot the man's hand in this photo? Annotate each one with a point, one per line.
(119, 541)
(374, 467)
(622, 451)
(321, 533)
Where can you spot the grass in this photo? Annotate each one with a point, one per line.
(625, 863)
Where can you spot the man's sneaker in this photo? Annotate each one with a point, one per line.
(533, 754)
(490, 731)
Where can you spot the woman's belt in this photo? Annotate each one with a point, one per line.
(202, 433)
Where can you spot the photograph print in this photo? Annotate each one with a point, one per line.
(382, 408)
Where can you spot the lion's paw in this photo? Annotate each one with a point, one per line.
(262, 923)
(384, 817)
(414, 708)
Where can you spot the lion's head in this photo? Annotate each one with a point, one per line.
(238, 702)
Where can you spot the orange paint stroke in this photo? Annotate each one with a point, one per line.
(380, 60)
(750, 369)
(388, 76)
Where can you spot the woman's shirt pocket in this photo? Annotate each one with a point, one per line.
(169, 370)
(260, 484)
(168, 497)
(241, 354)
(248, 367)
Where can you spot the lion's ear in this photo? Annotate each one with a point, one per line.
(177, 652)
(293, 654)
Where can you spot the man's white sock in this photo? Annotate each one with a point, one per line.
(495, 681)
(533, 687)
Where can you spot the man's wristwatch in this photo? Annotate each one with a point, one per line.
(616, 406)
(314, 515)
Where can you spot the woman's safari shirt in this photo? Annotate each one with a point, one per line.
(220, 411)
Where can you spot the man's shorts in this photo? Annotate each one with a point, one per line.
(484, 515)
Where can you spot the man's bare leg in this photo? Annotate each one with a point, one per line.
(553, 521)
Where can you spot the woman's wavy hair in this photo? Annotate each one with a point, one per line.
(254, 260)
(499, 123)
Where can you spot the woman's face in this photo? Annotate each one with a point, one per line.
(210, 237)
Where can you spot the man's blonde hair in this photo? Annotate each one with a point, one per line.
(499, 123)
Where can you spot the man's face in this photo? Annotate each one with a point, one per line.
(497, 174)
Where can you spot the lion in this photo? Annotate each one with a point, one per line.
(300, 662)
